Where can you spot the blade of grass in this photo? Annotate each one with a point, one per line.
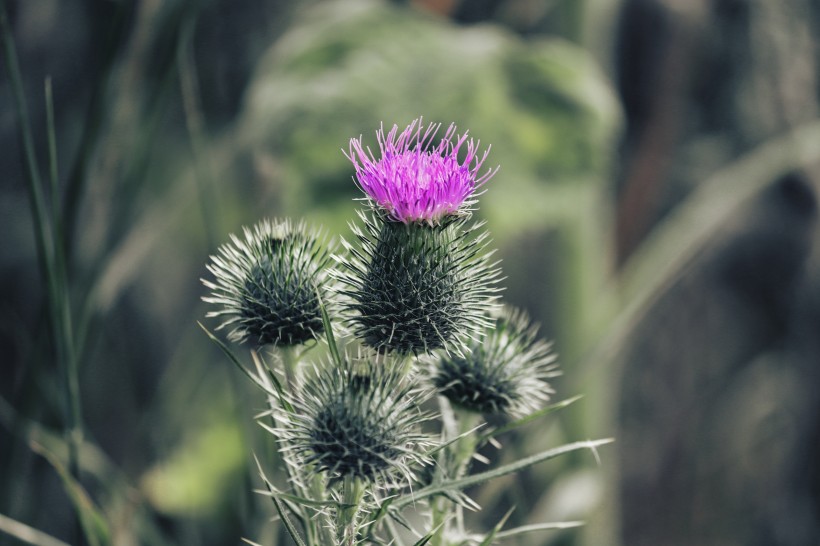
(32, 171)
(52, 153)
(29, 535)
(52, 259)
(67, 341)
(202, 161)
(95, 463)
(94, 525)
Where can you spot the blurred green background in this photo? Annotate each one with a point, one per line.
(655, 211)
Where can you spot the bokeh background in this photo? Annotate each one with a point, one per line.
(655, 211)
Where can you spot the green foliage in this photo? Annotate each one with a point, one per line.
(543, 104)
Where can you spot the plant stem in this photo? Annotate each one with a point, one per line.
(455, 459)
(440, 506)
(289, 362)
(352, 491)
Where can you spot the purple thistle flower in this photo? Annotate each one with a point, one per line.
(415, 182)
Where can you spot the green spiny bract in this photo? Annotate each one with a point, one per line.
(506, 373)
(358, 420)
(414, 288)
(266, 285)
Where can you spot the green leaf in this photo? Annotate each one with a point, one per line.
(302, 500)
(331, 339)
(225, 349)
(453, 440)
(384, 506)
(280, 507)
(426, 538)
(475, 479)
(529, 418)
(272, 380)
(94, 525)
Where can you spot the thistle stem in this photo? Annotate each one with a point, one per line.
(289, 362)
(466, 446)
(440, 506)
(352, 492)
(456, 459)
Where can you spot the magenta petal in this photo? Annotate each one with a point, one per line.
(415, 182)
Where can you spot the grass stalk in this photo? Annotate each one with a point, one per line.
(34, 184)
(49, 249)
(203, 166)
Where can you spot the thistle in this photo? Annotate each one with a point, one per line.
(421, 278)
(507, 373)
(266, 284)
(360, 420)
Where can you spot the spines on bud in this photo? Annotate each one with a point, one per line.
(414, 288)
(360, 420)
(506, 373)
(265, 284)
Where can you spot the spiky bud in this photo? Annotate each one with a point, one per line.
(359, 420)
(265, 285)
(507, 373)
(414, 288)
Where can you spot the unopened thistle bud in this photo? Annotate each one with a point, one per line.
(265, 285)
(507, 373)
(421, 278)
(359, 420)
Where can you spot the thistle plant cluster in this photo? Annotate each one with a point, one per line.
(409, 314)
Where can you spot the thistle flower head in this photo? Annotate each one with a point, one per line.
(265, 284)
(414, 181)
(414, 288)
(507, 373)
(360, 420)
